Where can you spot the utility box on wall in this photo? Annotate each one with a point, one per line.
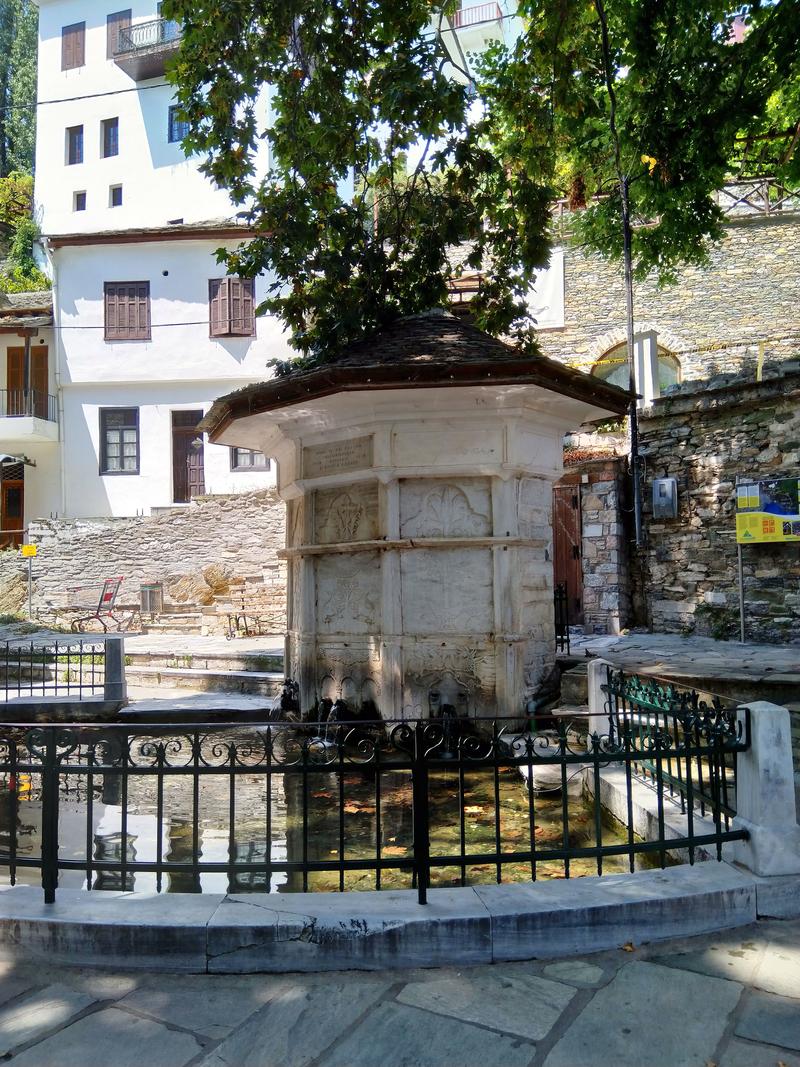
(665, 498)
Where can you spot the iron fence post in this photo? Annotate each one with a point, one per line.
(50, 817)
(419, 792)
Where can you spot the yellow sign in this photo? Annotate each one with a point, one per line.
(768, 511)
(28, 550)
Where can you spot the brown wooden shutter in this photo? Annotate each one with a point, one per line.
(120, 20)
(73, 46)
(218, 307)
(127, 311)
(241, 306)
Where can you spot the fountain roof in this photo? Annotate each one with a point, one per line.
(417, 351)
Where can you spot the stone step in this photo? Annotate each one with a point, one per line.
(265, 683)
(575, 685)
(248, 662)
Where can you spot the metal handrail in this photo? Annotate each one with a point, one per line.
(19, 403)
(472, 16)
(145, 35)
(318, 764)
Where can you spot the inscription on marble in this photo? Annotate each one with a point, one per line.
(349, 514)
(337, 457)
(445, 509)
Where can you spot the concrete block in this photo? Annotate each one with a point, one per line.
(567, 918)
(334, 931)
(765, 797)
(144, 931)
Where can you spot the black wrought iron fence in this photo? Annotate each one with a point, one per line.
(68, 668)
(686, 746)
(561, 612)
(332, 806)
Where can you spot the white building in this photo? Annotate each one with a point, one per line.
(146, 329)
(104, 398)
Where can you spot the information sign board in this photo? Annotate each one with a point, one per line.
(768, 511)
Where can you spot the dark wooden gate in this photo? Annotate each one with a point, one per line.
(188, 465)
(567, 566)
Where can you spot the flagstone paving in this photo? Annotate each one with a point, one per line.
(731, 1000)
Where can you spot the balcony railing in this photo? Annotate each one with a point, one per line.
(142, 50)
(21, 403)
(472, 16)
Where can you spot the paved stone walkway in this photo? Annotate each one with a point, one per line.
(732, 1000)
(692, 656)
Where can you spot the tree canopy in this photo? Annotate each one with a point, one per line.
(655, 89)
(18, 51)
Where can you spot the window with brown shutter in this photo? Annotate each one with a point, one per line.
(73, 46)
(231, 307)
(120, 20)
(127, 311)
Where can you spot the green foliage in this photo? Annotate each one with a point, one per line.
(18, 52)
(355, 86)
(16, 200)
(593, 90)
(681, 90)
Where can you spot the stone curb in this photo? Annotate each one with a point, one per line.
(212, 933)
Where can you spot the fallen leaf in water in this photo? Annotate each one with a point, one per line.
(334, 852)
(629, 947)
(321, 796)
(394, 850)
(473, 809)
(351, 809)
(391, 838)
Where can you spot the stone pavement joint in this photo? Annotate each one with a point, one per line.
(686, 1003)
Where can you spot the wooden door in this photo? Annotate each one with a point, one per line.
(567, 565)
(27, 398)
(12, 511)
(188, 464)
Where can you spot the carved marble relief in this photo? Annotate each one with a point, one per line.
(447, 591)
(433, 508)
(346, 514)
(348, 593)
(463, 677)
(352, 673)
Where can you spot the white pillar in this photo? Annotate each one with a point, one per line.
(598, 700)
(645, 355)
(765, 800)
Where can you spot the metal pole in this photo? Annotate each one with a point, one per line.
(633, 423)
(30, 588)
(741, 592)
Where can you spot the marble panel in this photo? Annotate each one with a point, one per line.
(348, 593)
(349, 513)
(437, 674)
(535, 508)
(447, 591)
(337, 457)
(352, 671)
(421, 447)
(454, 508)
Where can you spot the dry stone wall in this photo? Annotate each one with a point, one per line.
(713, 319)
(197, 553)
(706, 440)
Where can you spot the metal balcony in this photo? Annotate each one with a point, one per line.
(27, 415)
(143, 50)
(477, 15)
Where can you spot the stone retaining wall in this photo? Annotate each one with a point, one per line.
(689, 567)
(713, 319)
(197, 552)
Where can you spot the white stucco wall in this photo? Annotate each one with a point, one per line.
(159, 183)
(91, 494)
(180, 368)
